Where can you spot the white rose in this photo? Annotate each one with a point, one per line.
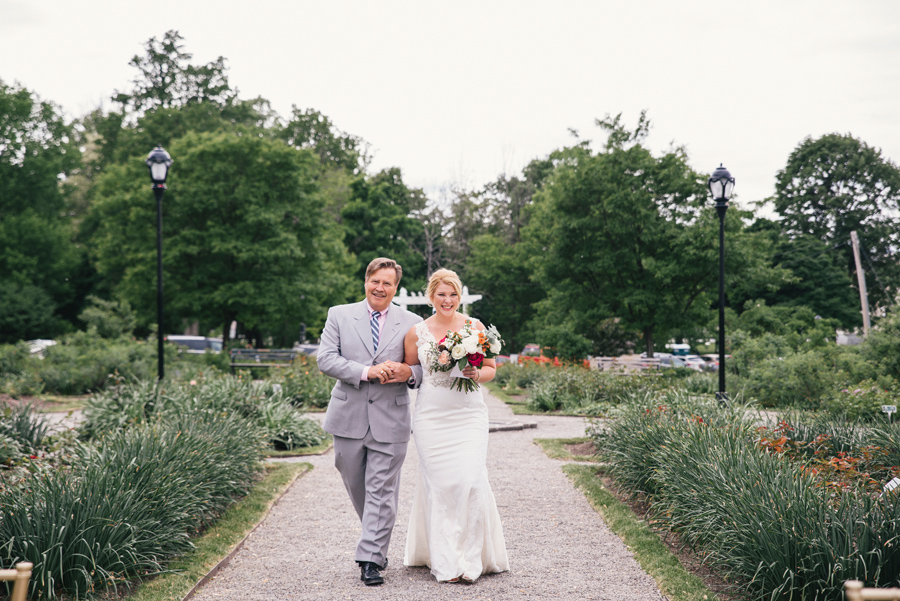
(458, 351)
(471, 344)
(495, 347)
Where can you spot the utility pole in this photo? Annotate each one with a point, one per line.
(861, 280)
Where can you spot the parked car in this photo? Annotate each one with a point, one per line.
(712, 361)
(670, 362)
(694, 362)
(196, 345)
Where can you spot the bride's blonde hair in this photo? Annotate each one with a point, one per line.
(443, 276)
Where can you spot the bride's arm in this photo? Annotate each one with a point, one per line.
(411, 351)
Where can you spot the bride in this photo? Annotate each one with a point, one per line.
(454, 528)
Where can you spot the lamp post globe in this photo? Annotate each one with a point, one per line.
(159, 161)
(721, 186)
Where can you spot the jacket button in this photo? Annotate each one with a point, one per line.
(371, 401)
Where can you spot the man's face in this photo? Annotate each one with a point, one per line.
(381, 288)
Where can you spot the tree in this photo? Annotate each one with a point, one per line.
(508, 198)
(167, 80)
(624, 234)
(169, 98)
(467, 218)
(818, 277)
(245, 236)
(377, 223)
(37, 256)
(500, 272)
(312, 130)
(837, 184)
(26, 312)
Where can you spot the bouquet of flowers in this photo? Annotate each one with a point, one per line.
(469, 346)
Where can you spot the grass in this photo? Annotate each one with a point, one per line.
(672, 578)
(300, 452)
(555, 448)
(518, 403)
(505, 395)
(221, 538)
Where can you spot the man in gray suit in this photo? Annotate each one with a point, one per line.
(368, 415)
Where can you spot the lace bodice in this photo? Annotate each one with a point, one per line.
(424, 342)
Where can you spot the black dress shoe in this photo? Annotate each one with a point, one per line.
(369, 574)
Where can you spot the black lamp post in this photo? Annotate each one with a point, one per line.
(159, 162)
(721, 185)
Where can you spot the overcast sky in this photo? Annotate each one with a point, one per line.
(461, 92)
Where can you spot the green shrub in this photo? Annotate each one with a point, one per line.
(286, 428)
(124, 508)
(643, 424)
(304, 385)
(135, 403)
(522, 377)
(886, 435)
(844, 435)
(862, 400)
(10, 449)
(882, 347)
(768, 520)
(21, 384)
(701, 383)
(25, 426)
(799, 380)
(83, 363)
(108, 319)
(13, 358)
(749, 352)
(586, 392)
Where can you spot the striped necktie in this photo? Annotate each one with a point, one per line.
(375, 328)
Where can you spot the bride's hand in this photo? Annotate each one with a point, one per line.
(471, 372)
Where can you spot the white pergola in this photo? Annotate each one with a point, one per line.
(405, 299)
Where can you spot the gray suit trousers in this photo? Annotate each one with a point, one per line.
(371, 474)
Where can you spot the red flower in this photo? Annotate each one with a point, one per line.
(477, 359)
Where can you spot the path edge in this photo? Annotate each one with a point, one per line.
(227, 559)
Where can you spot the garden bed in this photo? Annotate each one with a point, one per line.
(790, 510)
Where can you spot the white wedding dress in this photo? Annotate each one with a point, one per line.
(454, 527)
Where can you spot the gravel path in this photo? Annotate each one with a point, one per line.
(559, 548)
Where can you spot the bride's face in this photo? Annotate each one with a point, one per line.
(445, 299)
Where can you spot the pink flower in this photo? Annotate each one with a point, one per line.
(193, 382)
(444, 358)
(476, 359)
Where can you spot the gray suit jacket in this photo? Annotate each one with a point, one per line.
(344, 348)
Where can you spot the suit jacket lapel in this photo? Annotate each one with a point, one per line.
(363, 328)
